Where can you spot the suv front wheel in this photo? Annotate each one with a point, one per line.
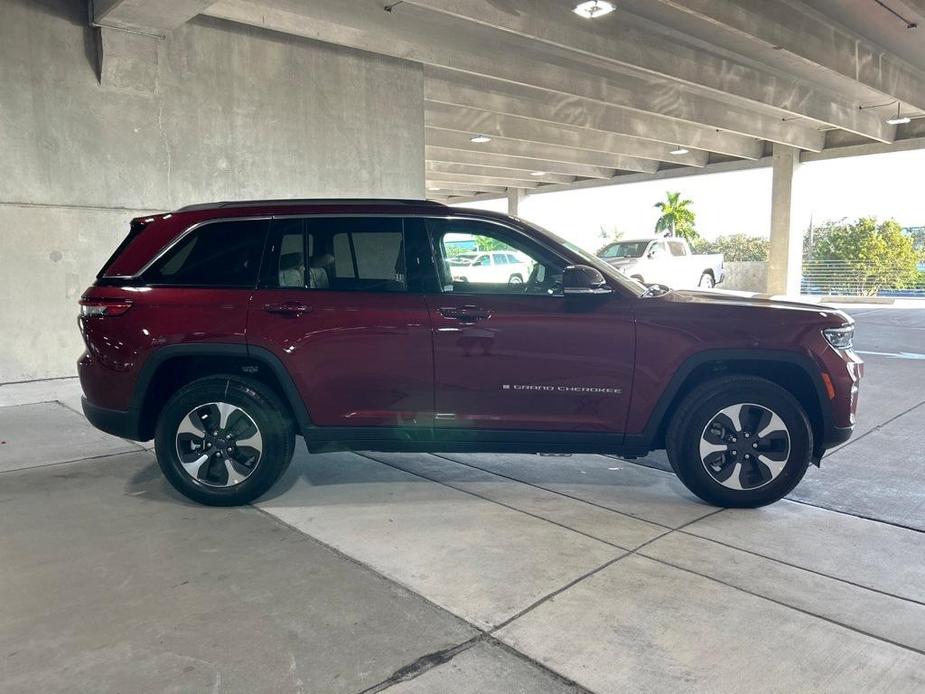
(224, 440)
(740, 441)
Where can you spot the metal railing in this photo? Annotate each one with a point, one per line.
(861, 278)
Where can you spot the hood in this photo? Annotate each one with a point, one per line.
(758, 301)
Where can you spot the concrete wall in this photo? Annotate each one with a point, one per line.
(215, 111)
(746, 276)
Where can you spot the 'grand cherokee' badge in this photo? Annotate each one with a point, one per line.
(603, 390)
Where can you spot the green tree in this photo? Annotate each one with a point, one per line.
(736, 247)
(860, 257)
(677, 217)
(486, 243)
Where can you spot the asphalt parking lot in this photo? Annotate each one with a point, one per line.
(466, 573)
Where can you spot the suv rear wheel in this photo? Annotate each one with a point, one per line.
(224, 440)
(740, 441)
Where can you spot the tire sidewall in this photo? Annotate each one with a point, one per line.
(684, 452)
(262, 407)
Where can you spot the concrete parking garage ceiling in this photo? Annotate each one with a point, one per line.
(650, 88)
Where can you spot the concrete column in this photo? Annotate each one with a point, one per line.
(785, 259)
(514, 197)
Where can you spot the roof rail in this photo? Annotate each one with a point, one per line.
(308, 201)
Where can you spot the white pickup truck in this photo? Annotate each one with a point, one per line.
(667, 261)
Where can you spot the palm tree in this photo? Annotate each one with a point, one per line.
(677, 217)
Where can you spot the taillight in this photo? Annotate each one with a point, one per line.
(98, 308)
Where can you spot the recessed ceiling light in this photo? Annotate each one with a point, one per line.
(479, 139)
(899, 118)
(538, 173)
(593, 9)
(679, 151)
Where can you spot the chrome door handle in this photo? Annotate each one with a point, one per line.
(289, 308)
(465, 314)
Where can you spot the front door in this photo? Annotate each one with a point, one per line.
(512, 352)
(334, 305)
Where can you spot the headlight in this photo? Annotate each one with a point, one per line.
(840, 338)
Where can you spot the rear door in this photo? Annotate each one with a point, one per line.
(334, 304)
(514, 353)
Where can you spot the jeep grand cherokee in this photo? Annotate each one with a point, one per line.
(224, 330)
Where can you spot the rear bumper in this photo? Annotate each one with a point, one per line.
(122, 423)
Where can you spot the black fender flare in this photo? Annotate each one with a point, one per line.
(262, 356)
(643, 442)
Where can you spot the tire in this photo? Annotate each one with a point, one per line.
(706, 281)
(252, 421)
(516, 279)
(711, 417)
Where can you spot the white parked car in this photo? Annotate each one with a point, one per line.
(494, 267)
(667, 261)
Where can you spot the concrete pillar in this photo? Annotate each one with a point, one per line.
(785, 258)
(514, 197)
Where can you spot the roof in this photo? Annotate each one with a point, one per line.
(307, 201)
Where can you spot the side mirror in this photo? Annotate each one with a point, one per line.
(584, 279)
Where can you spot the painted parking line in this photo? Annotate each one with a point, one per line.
(894, 355)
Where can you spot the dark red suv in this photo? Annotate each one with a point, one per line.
(223, 330)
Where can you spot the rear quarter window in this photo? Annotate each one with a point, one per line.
(217, 254)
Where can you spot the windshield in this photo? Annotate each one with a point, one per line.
(625, 249)
(590, 259)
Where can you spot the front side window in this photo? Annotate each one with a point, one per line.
(519, 266)
(217, 254)
(677, 248)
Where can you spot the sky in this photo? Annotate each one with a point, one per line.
(880, 185)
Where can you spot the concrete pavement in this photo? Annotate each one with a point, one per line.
(419, 573)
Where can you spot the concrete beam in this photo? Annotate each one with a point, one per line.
(470, 120)
(461, 89)
(535, 176)
(149, 16)
(459, 187)
(617, 40)
(488, 160)
(785, 254)
(809, 36)
(450, 139)
(435, 39)
(446, 177)
(127, 61)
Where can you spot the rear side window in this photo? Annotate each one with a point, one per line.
(344, 254)
(219, 254)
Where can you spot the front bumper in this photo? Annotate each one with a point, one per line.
(838, 435)
(122, 423)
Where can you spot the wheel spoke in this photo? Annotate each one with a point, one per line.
(774, 466)
(192, 469)
(191, 425)
(224, 413)
(234, 477)
(254, 441)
